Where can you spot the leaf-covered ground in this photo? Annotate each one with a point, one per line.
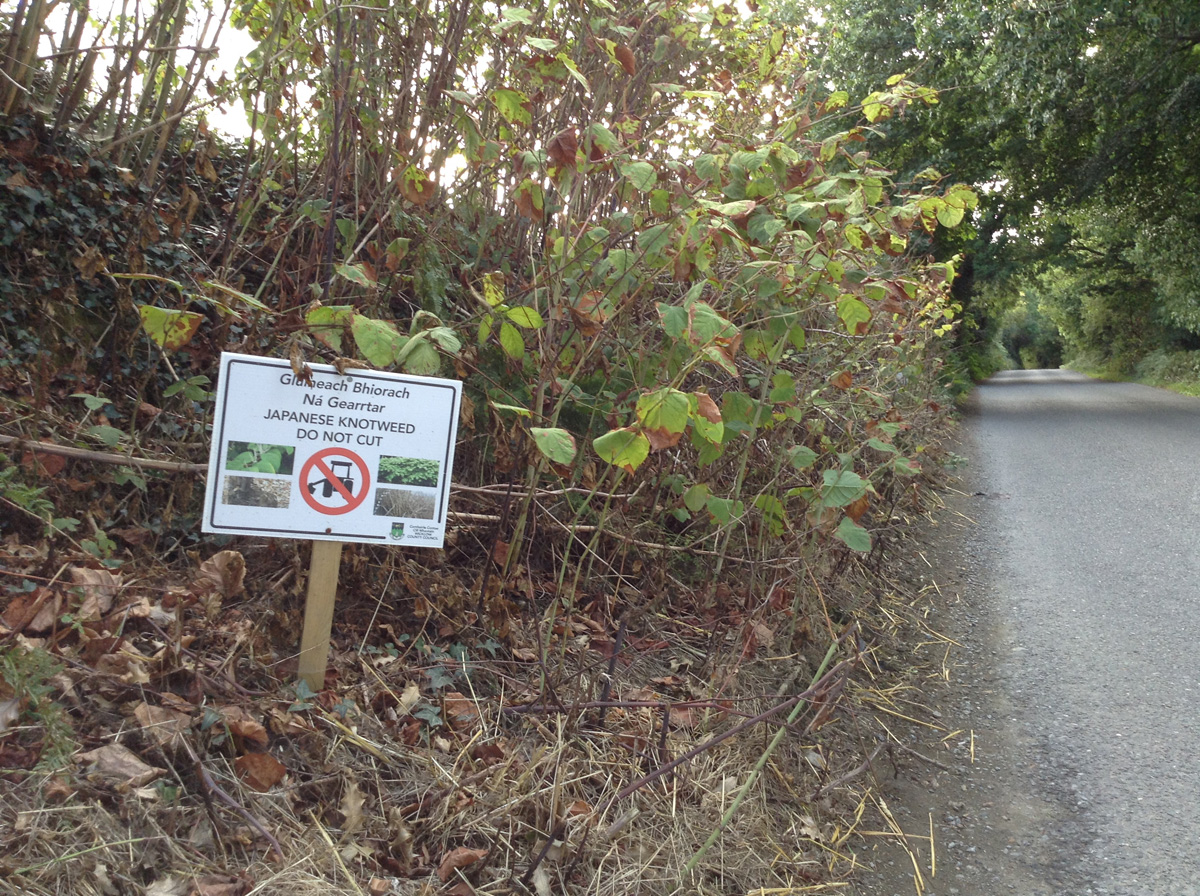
(154, 738)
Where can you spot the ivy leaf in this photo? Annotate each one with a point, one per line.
(171, 330)
(853, 536)
(625, 448)
(378, 340)
(556, 444)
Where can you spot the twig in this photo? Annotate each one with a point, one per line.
(103, 457)
(233, 804)
(849, 776)
(921, 756)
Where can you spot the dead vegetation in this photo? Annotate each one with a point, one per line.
(607, 747)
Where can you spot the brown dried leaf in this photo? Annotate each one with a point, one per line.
(224, 572)
(351, 808)
(99, 587)
(459, 857)
(164, 726)
(460, 711)
(247, 732)
(120, 764)
(34, 612)
(625, 57)
(843, 380)
(260, 771)
(707, 408)
(44, 464)
(562, 148)
(90, 263)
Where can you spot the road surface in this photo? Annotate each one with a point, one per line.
(1077, 598)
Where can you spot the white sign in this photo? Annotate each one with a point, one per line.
(363, 456)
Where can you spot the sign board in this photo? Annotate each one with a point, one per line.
(363, 456)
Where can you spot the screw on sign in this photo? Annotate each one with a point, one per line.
(334, 481)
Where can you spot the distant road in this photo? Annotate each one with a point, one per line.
(1094, 562)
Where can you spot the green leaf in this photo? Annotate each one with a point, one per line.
(696, 497)
(724, 510)
(854, 314)
(641, 174)
(511, 341)
(773, 513)
(603, 137)
(524, 316)
(378, 340)
(875, 109)
(842, 487)
(663, 415)
(493, 289)
(556, 444)
(328, 322)
(624, 448)
(730, 209)
(511, 409)
(655, 240)
(109, 435)
(355, 273)
(513, 105)
(801, 457)
(91, 402)
(419, 357)
(853, 536)
(171, 330)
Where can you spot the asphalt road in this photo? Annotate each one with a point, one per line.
(1093, 574)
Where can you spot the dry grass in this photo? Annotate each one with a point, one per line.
(419, 773)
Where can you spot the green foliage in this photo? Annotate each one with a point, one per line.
(27, 675)
(408, 471)
(1071, 116)
(32, 500)
(260, 458)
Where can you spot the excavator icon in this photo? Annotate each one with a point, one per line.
(342, 470)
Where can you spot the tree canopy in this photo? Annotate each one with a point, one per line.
(1077, 121)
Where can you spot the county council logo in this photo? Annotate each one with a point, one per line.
(397, 531)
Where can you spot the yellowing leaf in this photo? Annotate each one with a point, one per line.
(171, 330)
(378, 340)
(624, 448)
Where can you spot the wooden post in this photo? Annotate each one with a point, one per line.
(318, 611)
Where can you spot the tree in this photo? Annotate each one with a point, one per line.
(1052, 109)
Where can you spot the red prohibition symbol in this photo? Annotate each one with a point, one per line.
(345, 475)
